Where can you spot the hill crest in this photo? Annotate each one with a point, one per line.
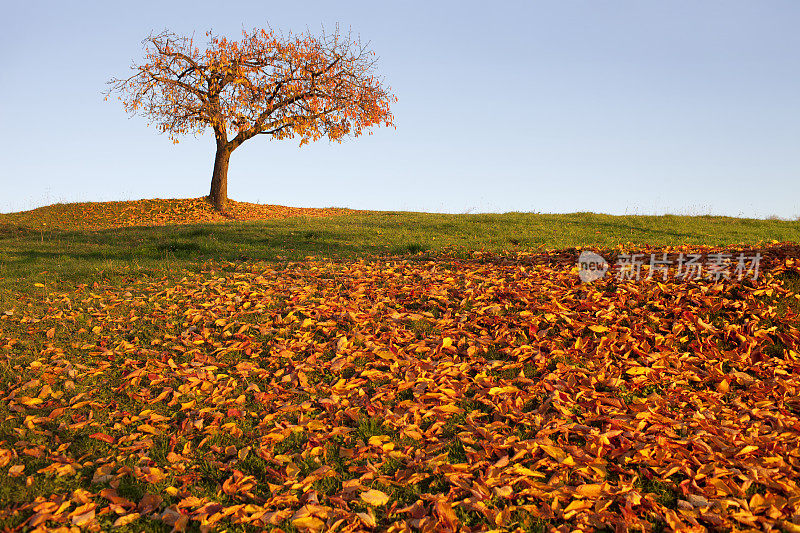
(153, 212)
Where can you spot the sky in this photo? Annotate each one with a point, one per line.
(620, 107)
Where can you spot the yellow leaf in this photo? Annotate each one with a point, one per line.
(374, 497)
(292, 470)
(575, 506)
(315, 425)
(24, 400)
(147, 428)
(367, 518)
(311, 523)
(790, 527)
(341, 344)
(413, 433)
(747, 449)
(447, 342)
(125, 520)
(383, 354)
(503, 492)
(525, 471)
(377, 440)
(592, 490)
(501, 390)
(83, 514)
(599, 329)
(556, 453)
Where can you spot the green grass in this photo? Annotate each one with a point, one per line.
(52, 255)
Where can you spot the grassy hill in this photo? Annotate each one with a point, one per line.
(166, 369)
(156, 212)
(77, 242)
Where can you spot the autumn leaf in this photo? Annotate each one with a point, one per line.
(126, 519)
(368, 519)
(790, 527)
(502, 390)
(30, 402)
(554, 452)
(83, 514)
(103, 437)
(374, 497)
(503, 492)
(308, 523)
(590, 490)
(532, 419)
(747, 449)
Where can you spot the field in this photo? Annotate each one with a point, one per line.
(164, 368)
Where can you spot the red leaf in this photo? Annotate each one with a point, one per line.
(103, 437)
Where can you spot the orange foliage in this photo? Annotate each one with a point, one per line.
(495, 393)
(284, 86)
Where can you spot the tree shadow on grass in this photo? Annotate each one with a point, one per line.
(153, 245)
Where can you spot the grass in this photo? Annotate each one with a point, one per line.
(50, 254)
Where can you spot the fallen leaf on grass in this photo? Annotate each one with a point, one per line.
(374, 497)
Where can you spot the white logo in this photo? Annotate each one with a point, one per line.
(717, 267)
(591, 266)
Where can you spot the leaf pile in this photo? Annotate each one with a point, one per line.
(105, 215)
(492, 393)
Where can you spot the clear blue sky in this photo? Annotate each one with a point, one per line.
(685, 107)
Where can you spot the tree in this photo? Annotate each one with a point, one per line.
(264, 84)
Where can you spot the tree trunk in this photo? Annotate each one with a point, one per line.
(219, 180)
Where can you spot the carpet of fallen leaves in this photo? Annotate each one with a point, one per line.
(491, 393)
(156, 212)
